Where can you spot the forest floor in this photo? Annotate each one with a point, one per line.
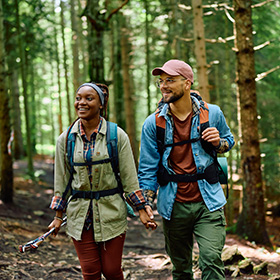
(144, 255)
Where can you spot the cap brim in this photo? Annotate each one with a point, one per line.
(157, 71)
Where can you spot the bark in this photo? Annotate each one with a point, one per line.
(82, 46)
(200, 52)
(6, 165)
(68, 98)
(75, 46)
(117, 76)
(57, 58)
(98, 22)
(25, 95)
(18, 150)
(128, 91)
(147, 46)
(251, 222)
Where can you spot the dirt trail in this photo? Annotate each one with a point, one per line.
(144, 254)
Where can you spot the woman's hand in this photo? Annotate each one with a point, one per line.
(147, 218)
(55, 224)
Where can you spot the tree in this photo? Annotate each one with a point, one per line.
(65, 64)
(98, 19)
(6, 164)
(25, 95)
(75, 46)
(128, 87)
(251, 222)
(200, 52)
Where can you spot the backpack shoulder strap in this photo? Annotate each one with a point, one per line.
(69, 148)
(204, 123)
(112, 146)
(160, 132)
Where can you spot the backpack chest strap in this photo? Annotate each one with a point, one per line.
(94, 194)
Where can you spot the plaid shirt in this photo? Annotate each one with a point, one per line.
(224, 145)
(89, 145)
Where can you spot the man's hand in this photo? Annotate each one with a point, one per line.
(211, 134)
(147, 218)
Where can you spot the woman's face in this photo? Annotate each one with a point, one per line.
(87, 103)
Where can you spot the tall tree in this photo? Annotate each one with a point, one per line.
(6, 165)
(98, 18)
(75, 46)
(65, 64)
(200, 51)
(117, 74)
(25, 95)
(57, 61)
(12, 54)
(147, 48)
(128, 87)
(251, 222)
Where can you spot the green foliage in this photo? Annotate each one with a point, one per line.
(169, 25)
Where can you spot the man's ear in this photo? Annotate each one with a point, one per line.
(188, 84)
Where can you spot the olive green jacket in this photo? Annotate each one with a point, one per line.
(109, 213)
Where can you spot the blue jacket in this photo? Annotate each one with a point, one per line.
(212, 194)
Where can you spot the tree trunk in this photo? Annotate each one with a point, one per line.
(69, 99)
(118, 77)
(25, 95)
(147, 47)
(200, 52)
(18, 150)
(83, 47)
(6, 164)
(128, 90)
(96, 24)
(75, 46)
(251, 222)
(58, 76)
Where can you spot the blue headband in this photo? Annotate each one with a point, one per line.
(98, 90)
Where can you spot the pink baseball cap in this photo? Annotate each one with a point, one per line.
(175, 67)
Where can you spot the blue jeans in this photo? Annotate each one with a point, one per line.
(208, 228)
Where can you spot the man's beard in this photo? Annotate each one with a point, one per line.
(173, 98)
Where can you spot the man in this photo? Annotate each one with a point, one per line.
(190, 197)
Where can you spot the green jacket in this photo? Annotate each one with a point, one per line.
(109, 213)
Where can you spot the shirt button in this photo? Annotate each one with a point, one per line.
(196, 154)
(97, 220)
(96, 169)
(199, 167)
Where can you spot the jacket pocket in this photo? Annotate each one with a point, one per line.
(112, 208)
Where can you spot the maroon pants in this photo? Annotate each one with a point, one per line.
(103, 257)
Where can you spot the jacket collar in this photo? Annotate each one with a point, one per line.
(102, 130)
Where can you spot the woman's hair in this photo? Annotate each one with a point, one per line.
(105, 89)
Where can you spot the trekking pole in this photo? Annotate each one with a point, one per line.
(34, 244)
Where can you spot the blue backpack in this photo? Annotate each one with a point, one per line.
(112, 141)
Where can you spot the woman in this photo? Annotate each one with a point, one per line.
(97, 225)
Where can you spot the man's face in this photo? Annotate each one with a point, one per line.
(171, 87)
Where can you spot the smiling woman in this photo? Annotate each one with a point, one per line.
(88, 106)
(96, 223)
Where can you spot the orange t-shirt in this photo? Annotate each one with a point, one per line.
(182, 161)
